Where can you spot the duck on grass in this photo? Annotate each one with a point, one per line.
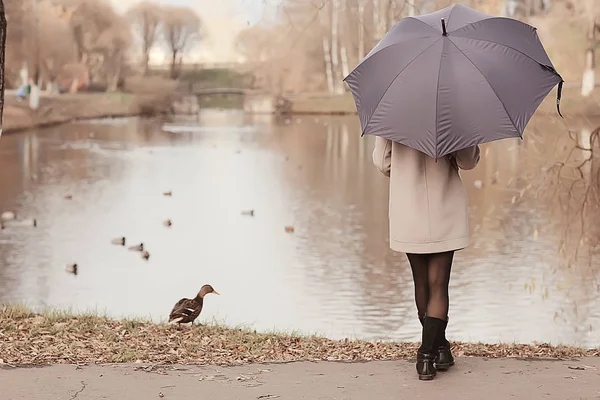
(187, 310)
(58, 337)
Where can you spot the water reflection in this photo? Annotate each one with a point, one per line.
(519, 281)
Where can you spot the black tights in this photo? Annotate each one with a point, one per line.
(431, 274)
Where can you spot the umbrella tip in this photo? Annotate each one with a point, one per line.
(444, 33)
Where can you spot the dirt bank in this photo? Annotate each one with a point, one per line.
(68, 107)
(470, 378)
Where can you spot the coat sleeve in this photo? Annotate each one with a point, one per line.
(467, 158)
(382, 155)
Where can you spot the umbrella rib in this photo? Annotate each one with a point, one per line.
(487, 19)
(491, 87)
(394, 80)
(437, 95)
(368, 56)
(508, 47)
(424, 23)
(450, 15)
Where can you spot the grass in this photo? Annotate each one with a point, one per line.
(59, 337)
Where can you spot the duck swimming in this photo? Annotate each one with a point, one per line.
(8, 216)
(137, 247)
(72, 268)
(187, 310)
(120, 241)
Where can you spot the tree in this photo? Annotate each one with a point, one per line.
(145, 19)
(2, 58)
(591, 10)
(56, 44)
(112, 47)
(101, 38)
(181, 27)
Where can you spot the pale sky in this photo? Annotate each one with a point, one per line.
(223, 19)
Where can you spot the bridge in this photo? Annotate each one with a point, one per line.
(213, 91)
(254, 101)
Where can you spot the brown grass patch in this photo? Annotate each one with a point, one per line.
(28, 338)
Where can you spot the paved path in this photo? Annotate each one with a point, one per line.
(471, 378)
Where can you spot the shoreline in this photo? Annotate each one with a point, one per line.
(57, 337)
(66, 108)
(572, 104)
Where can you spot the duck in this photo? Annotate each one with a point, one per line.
(137, 247)
(72, 268)
(169, 193)
(69, 197)
(24, 222)
(168, 222)
(119, 241)
(8, 216)
(187, 310)
(145, 255)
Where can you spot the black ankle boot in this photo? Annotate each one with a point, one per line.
(425, 366)
(444, 358)
(433, 329)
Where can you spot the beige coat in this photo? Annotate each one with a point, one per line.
(428, 203)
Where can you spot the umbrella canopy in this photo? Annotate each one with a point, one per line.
(451, 79)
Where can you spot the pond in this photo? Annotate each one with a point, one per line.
(531, 273)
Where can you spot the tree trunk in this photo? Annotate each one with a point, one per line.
(328, 68)
(361, 29)
(588, 80)
(376, 19)
(391, 13)
(174, 65)
(146, 62)
(410, 8)
(379, 19)
(345, 67)
(335, 60)
(114, 81)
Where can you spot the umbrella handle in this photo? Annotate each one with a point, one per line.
(558, 96)
(444, 33)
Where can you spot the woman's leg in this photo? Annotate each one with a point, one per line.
(440, 266)
(439, 269)
(419, 263)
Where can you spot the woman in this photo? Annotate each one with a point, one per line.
(428, 222)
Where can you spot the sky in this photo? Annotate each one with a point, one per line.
(223, 19)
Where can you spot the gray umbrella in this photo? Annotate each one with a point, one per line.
(451, 79)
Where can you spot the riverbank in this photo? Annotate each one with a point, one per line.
(470, 378)
(572, 104)
(29, 338)
(65, 108)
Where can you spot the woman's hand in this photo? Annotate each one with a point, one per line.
(467, 158)
(382, 155)
(452, 161)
